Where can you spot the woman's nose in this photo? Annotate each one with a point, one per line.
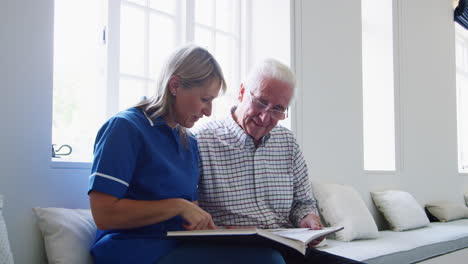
(207, 110)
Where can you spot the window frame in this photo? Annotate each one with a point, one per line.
(461, 36)
(185, 24)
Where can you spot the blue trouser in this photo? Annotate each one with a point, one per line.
(206, 253)
(150, 251)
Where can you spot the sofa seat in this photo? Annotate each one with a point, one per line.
(405, 247)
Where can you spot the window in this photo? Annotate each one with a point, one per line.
(461, 48)
(108, 54)
(378, 85)
(79, 76)
(217, 28)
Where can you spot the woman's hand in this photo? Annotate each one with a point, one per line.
(110, 212)
(196, 217)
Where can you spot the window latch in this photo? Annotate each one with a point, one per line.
(56, 152)
(104, 36)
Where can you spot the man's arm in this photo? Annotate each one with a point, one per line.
(304, 202)
(304, 212)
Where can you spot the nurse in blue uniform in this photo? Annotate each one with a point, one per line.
(145, 172)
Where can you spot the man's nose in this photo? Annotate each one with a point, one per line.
(265, 116)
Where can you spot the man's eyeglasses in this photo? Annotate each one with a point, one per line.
(279, 114)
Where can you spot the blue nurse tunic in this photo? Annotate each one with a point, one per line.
(141, 159)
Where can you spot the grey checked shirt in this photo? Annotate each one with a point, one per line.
(242, 185)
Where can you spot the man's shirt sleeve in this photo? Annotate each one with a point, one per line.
(304, 202)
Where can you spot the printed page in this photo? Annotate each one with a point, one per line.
(306, 235)
(247, 231)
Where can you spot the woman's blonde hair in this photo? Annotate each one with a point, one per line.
(194, 66)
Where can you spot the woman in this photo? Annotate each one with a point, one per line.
(145, 169)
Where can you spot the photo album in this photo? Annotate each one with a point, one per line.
(296, 238)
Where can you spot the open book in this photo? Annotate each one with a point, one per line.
(296, 238)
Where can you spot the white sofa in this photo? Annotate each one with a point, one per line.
(68, 235)
(412, 246)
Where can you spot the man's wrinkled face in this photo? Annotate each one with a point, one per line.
(251, 113)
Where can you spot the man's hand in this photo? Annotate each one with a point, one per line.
(312, 221)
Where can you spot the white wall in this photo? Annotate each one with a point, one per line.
(26, 178)
(330, 68)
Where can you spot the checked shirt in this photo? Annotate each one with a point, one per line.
(243, 185)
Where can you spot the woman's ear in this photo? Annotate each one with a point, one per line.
(174, 84)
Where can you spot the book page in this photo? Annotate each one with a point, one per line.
(306, 235)
(213, 232)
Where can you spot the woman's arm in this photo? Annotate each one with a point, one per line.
(110, 212)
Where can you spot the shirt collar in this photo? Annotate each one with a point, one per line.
(158, 121)
(149, 119)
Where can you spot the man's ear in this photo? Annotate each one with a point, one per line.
(241, 92)
(174, 84)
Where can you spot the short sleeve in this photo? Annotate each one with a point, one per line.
(115, 154)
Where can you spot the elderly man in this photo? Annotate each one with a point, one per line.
(252, 172)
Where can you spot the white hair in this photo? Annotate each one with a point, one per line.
(270, 68)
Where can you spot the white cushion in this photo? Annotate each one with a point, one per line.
(342, 205)
(447, 211)
(400, 209)
(68, 234)
(6, 257)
